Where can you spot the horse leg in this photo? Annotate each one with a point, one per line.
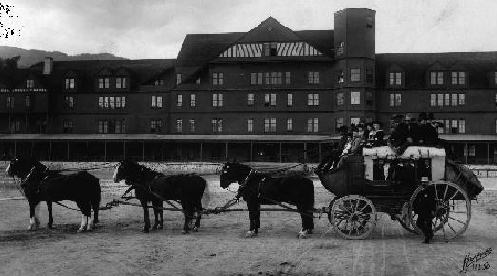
(156, 214)
(188, 213)
(146, 217)
(254, 217)
(32, 215)
(161, 214)
(307, 222)
(85, 208)
(50, 217)
(95, 205)
(198, 211)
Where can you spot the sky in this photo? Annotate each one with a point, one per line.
(140, 29)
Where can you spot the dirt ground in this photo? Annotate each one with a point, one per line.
(118, 247)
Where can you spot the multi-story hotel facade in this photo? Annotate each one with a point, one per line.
(269, 94)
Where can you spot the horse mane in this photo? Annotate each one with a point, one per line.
(147, 172)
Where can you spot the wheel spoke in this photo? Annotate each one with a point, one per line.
(445, 192)
(457, 191)
(436, 193)
(448, 224)
(460, 221)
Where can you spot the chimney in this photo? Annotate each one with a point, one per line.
(48, 66)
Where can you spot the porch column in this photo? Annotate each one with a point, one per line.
(319, 151)
(488, 152)
(226, 151)
(143, 150)
(201, 150)
(15, 148)
(251, 151)
(68, 151)
(305, 152)
(466, 153)
(280, 153)
(50, 150)
(105, 150)
(124, 149)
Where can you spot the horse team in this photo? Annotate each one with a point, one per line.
(38, 183)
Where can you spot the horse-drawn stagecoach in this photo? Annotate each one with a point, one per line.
(378, 180)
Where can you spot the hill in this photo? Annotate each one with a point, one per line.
(32, 56)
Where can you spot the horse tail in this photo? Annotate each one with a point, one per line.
(206, 196)
(96, 197)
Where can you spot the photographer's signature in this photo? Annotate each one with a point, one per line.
(476, 262)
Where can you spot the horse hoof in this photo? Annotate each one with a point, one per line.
(145, 230)
(81, 230)
(303, 234)
(195, 229)
(184, 232)
(49, 226)
(154, 227)
(250, 234)
(160, 227)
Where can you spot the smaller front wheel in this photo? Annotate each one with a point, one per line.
(353, 217)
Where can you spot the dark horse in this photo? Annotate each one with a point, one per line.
(40, 184)
(150, 185)
(262, 189)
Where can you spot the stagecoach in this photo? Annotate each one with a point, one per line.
(378, 180)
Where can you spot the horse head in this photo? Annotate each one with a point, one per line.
(21, 167)
(32, 180)
(233, 172)
(126, 170)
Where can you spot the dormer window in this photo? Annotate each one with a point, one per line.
(355, 74)
(178, 79)
(340, 78)
(30, 83)
(158, 82)
(69, 83)
(340, 48)
(395, 78)
(103, 83)
(120, 82)
(458, 78)
(437, 78)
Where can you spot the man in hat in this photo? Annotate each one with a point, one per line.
(401, 135)
(377, 138)
(425, 206)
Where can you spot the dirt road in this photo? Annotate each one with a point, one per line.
(117, 246)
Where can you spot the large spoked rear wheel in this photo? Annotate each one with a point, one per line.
(453, 209)
(353, 217)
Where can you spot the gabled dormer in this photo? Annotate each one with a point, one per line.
(395, 77)
(30, 83)
(436, 75)
(270, 39)
(103, 79)
(122, 79)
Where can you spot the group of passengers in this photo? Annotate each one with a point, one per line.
(405, 131)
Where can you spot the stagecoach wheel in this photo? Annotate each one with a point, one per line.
(353, 217)
(405, 219)
(453, 209)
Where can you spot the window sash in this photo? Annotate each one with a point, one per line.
(192, 125)
(288, 77)
(250, 125)
(179, 100)
(433, 99)
(447, 99)
(289, 99)
(355, 97)
(340, 98)
(355, 74)
(462, 99)
(193, 100)
(250, 99)
(289, 124)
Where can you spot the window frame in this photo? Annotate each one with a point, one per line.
(355, 74)
(355, 100)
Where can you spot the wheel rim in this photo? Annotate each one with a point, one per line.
(353, 217)
(453, 209)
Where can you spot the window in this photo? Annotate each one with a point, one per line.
(217, 99)
(270, 99)
(179, 125)
(67, 126)
(433, 99)
(313, 99)
(355, 120)
(112, 126)
(259, 78)
(462, 126)
(103, 83)
(355, 74)
(155, 126)
(197, 81)
(250, 125)
(340, 98)
(120, 82)
(69, 102)
(193, 100)
(179, 100)
(217, 78)
(437, 78)
(178, 79)
(27, 101)
(269, 125)
(253, 78)
(454, 100)
(313, 78)
(395, 78)
(103, 127)
(312, 125)
(250, 99)
(270, 49)
(267, 77)
(70, 83)
(289, 99)
(217, 125)
(289, 124)
(15, 126)
(157, 101)
(355, 97)
(462, 99)
(30, 83)
(288, 77)
(369, 75)
(158, 82)
(440, 99)
(369, 98)
(447, 99)
(119, 127)
(275, 77)
(111, 102)
(191, 122)
(340, 48)
(340, 78)
(458, 78)
(395, 99)
(338, 122)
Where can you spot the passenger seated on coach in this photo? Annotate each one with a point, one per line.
(375, 136)
(335, 153)
(403, 134)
